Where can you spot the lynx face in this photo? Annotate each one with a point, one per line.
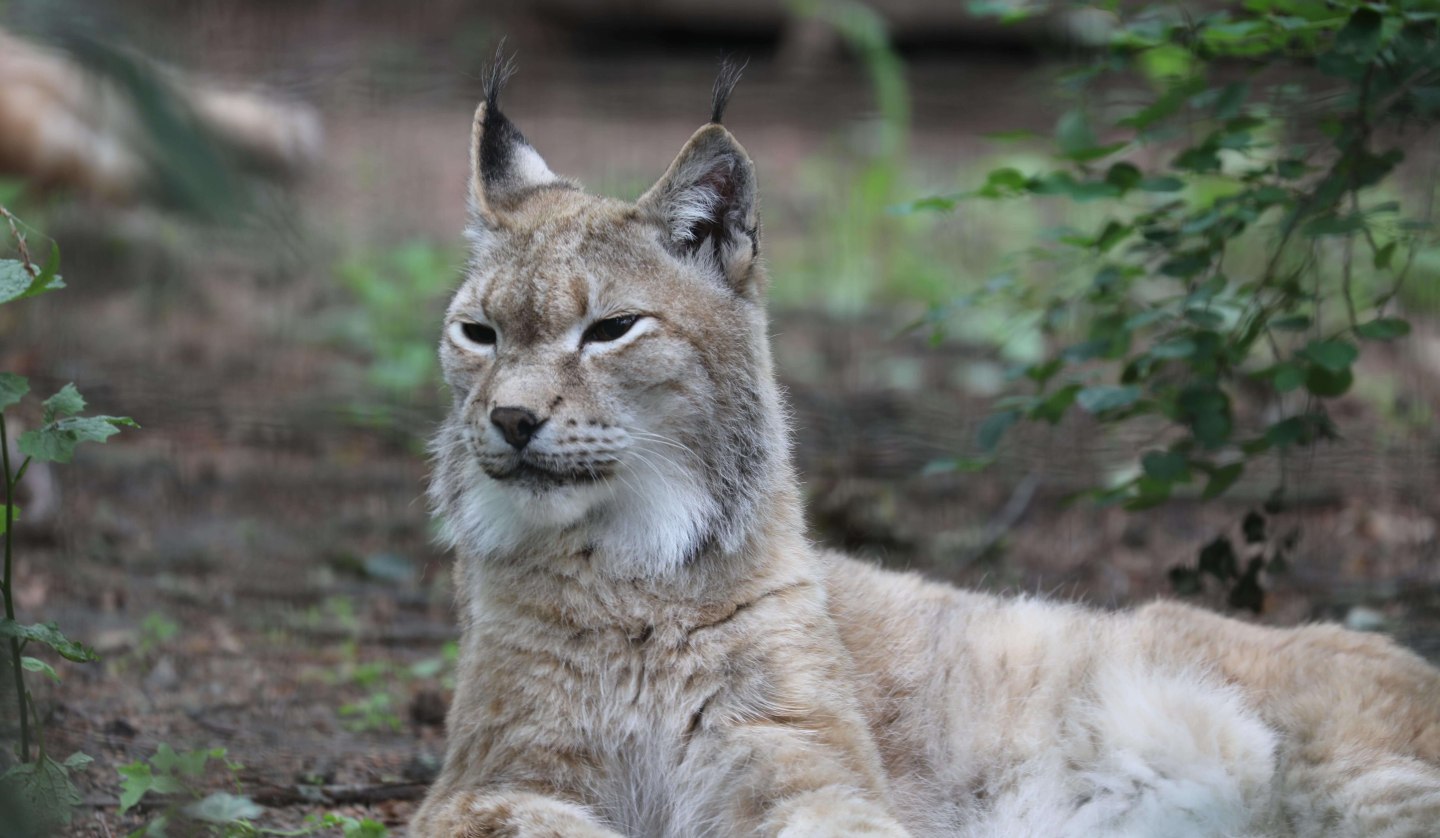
(608, 360)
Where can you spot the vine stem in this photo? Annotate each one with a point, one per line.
(20, 696)
(19, 244)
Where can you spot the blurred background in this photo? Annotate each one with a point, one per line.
(259, 207)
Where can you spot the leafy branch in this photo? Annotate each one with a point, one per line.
(39, 784)
(1237, 264)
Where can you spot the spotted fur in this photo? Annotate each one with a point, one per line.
(652, 649)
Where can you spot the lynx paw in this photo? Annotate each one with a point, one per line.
(834, 814)
(506, 815)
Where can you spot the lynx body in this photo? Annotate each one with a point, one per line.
(652, 649)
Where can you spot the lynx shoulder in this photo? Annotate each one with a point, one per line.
(652, 648)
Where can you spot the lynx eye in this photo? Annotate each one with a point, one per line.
(477, 333)
(611, 328)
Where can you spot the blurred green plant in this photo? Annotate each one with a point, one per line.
(156, 630)
(399, 295)
(855, 246)
(176, 780)
(383, 682)
(1249, 235)
(37, 788)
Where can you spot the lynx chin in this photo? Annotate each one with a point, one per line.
(652, 649)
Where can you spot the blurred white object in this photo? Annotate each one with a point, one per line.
(62, 125)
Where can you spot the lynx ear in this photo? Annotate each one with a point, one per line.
(706, 200)
(503, 164)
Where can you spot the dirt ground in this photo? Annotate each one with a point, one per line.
(255, 567)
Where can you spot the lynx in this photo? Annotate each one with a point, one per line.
(651, 647)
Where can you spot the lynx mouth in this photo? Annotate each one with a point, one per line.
(536, 477)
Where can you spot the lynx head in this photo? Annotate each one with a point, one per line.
(609, 361)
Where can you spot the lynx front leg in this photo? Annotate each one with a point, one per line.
(505, 814)
(809, 776)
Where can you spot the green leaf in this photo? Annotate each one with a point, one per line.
(67, 402)
(1167, 61)
(995, 426)
(963, 465)
(1231, 99)
(1053, 408)
(1186, 264)
(1102, 398)
(1004, 182)
(1073, 133)
(1334, 355)
(14, 279)
(30, 664)
(1328, 383)
(1291, 169)
(1287, 432)
(1113, 234)
(1174, 349)
(1161, 184)
(48, 634)
(1044, 371)
(1333, 225)
(1200, 159)
(1011, 136)
(1123, 176)
(78, 761)
(43, 793)
(224, 808)
(1148, 493)
(16, 283)
(1286, 376)
(56, 441)
(136, 780)
(1291, 323)
(12, 388)
(1384, 256)
(1166, 466)
(1361, 35)
(1206, 410)
(1383, 328)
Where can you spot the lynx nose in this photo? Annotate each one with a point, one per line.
(516, 424)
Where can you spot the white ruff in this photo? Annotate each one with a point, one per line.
(645, 520)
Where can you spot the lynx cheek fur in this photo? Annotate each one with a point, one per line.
(652, 649)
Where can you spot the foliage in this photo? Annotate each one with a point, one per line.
(854, 244)
(375, 711)
(38, 786)
(398, 294)
(176, 779)
(1248, 235)
(155, 631)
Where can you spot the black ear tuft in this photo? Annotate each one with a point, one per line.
(503, 164)
(730, 73)
(497, 75)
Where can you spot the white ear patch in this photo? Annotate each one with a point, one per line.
(689, 209)
(530, 167)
